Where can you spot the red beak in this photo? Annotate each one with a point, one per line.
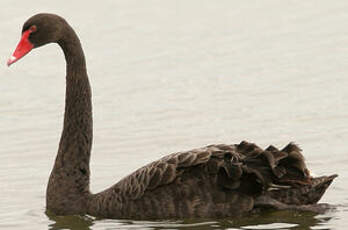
(24, 46)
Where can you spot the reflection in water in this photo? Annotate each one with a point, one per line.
(284, 220)
(266, 220)
(69, 222)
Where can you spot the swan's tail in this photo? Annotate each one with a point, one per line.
(310, 193)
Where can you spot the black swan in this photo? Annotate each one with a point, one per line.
(209, 182)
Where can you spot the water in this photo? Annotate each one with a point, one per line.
(175, 75)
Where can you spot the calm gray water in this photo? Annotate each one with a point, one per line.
(175, 75)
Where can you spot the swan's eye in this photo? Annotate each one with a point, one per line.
(33, 29)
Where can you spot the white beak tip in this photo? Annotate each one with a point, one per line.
(11, 60)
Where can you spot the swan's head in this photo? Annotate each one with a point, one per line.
(38, 30)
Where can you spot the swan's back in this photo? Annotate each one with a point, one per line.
(214, 181)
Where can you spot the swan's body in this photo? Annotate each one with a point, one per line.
(214, 181)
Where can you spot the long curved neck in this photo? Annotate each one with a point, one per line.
(68, 186)
(76, 139)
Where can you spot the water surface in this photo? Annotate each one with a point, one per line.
(174, 75)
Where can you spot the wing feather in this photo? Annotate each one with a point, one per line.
(236, 161)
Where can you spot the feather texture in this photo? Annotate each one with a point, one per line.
(213, 181)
